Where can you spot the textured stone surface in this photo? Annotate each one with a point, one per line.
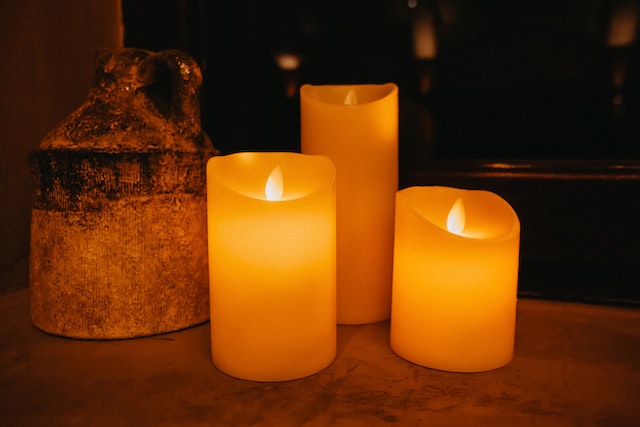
(118, 228)
(574, 365)
(135, 267)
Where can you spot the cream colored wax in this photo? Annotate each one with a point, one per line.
(455, 278)
(272, 248)
(356, 126)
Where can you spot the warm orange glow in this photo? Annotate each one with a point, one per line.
(454, 299)
(271, 264)
(456, 219)
(274, 186)
(288, 61)
(356, 126)
(424, 34)
(624, 23)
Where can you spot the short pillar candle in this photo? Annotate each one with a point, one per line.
(356, 126)
(272, 244)
(455, 278)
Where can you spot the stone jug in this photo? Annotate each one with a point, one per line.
(118, 227)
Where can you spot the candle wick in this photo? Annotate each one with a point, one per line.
(350, 99)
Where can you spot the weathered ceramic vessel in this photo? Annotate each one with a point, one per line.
(118, 228)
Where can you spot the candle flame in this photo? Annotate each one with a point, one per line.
(350, 99)
(275, 184)
(456, 219)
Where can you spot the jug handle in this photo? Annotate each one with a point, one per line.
(172, 81)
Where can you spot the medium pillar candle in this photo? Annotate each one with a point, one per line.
(272, 249)
(455, 279)
(356, 126)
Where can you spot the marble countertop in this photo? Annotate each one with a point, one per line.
(574, 365)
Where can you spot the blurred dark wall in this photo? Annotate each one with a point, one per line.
(543, 79)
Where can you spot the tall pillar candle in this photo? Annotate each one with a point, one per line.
(455, 278)
(272, 248)
(356, 126)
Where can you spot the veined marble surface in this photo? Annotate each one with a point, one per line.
(574, 365)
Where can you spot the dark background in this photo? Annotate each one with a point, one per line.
(533, 100)
(523, 79)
